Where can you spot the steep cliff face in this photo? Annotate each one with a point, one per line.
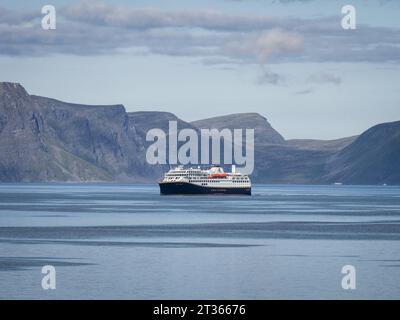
(23, 154)
(373, 158)
(99, 135)
(43, 139)
(143, 121)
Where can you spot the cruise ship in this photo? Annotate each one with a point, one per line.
(198, 181)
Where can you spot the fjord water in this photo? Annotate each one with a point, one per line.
(128, 242)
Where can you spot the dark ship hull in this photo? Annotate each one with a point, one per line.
(189, 188)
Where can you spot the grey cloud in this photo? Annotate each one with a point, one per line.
(262, 46)
(99, 13)
(99, 28)
(10, 17)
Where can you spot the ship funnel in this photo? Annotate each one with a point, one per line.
(233, 168)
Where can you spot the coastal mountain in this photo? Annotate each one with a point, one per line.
(373, 158)
(43, 139)
(278, 160)
(263, 131)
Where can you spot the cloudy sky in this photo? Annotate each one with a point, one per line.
(289, 60)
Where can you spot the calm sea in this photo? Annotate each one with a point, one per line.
(128, 242)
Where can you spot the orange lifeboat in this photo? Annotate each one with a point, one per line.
(217, 175)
